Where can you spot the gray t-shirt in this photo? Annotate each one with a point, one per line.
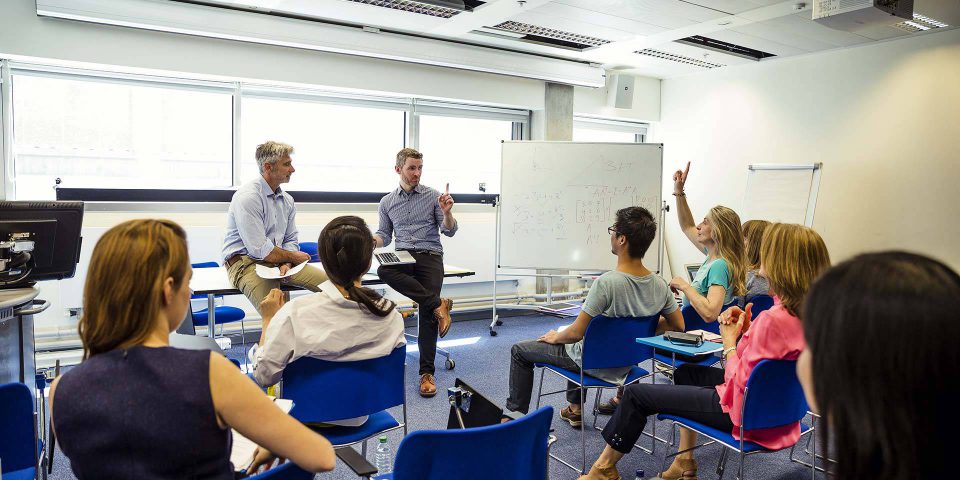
(756, 285)
(618, 294)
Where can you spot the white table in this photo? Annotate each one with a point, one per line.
(213, 281)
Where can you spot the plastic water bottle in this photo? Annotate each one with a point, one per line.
(640, 475)
(383, 457)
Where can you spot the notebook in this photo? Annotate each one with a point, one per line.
(394, 258)
(243, 448)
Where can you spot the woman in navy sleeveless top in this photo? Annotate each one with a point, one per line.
(138, 408)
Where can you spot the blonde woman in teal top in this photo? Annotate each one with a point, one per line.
(722, 276)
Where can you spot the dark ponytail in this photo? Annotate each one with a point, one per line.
(345, 247)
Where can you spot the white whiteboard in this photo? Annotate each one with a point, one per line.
(781, 193)
(558, 198)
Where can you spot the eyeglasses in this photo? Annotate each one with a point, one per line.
(613, 231)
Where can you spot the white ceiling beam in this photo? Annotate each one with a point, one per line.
(491, 13)
(615, 51)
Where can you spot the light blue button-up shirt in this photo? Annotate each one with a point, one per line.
(258, 220)
(415, 217)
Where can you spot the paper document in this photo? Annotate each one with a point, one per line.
(243, 448)
(707, 336)
(264, 271)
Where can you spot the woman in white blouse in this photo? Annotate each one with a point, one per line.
(343, 322)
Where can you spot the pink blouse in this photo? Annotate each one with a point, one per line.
(774, 335)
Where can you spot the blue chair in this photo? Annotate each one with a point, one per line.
(693, 321)
(516, 450)
(222, 314)
(310, 248)
(773, 398)
(324, 391)
(20, 450)
(608, 343)
(760, 303)
(287, 471)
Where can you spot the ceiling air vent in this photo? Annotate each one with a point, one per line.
(920, 23)
(433, 8)
(549, 36)
(724, 47)
(678, 58)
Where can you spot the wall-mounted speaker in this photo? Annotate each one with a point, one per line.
(620, 91)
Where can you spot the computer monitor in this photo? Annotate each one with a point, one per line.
(692, 269)
(54, 229)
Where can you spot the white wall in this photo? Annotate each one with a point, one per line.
(882, 118)
(26, 37)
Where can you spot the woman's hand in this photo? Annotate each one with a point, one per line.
(679, 179)
(270, 305)
(678, 284)
(732, 323)
(549, 337)
(261, 458)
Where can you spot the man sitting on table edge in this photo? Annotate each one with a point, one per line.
(261, 229)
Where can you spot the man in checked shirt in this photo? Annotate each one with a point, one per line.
(415, 213)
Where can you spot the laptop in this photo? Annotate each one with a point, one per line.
(692, 269)
(195, 342)
(398, 257)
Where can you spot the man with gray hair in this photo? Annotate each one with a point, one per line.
(261, 229)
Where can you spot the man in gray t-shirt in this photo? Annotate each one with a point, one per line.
(631, 290)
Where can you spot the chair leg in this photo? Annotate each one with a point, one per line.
(583, 434)
(540, 390)
(596, 404)
(722, 464)
(363, 449)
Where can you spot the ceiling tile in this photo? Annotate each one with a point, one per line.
(586, 22)
(756, 43)
(662, 13)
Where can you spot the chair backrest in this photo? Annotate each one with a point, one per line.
(287, 471)
(693, 321)
(18, 448)
(516, 450)
(760, 303)
(773, 396)
(310, 248)
(611, 342)
(324, 391)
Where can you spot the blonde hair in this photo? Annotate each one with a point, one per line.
(725, 231)
(792, 257)
(123, 292)
(752, 236)
(271, 152)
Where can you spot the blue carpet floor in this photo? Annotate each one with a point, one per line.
(483, 362)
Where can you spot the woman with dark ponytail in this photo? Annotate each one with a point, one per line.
(342, 322)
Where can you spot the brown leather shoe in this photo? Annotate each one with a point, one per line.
(428, 385)
(442, 314)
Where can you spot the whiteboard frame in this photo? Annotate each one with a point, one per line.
(547, 267)
(495, 319)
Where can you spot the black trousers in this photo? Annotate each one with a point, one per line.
(522, 357)
(692, 396)
(420, 282)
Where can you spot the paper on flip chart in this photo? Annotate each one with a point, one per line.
(264, 271)
(243, 448)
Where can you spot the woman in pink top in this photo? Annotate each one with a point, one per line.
(791, 257)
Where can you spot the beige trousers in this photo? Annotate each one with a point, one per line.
(243, 276)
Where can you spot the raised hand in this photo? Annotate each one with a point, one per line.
(680, 178)
(445, 200)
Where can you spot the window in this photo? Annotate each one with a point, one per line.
(586, 129)
(462, 151)
(337, 148)
(114, 134)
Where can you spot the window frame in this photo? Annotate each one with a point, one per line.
(639, 129)
(411, 106)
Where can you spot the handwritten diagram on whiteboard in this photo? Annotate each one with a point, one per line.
(558, 199)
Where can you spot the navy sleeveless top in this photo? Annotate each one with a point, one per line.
(143, 413)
